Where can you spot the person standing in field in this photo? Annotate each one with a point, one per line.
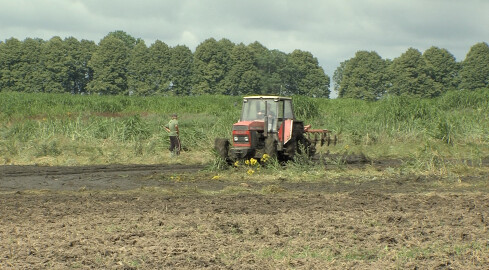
(174, 133)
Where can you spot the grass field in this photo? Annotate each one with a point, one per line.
(62, 129)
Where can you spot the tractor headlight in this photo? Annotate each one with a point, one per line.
(246, 139)
(235, 138)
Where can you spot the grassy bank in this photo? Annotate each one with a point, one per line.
(53, 129)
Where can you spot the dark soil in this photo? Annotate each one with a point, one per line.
(175, 217)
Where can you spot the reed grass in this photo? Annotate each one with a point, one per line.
(66, 129)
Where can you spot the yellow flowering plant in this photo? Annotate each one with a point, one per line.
(265, 158)
(253, 161)
(252, 165)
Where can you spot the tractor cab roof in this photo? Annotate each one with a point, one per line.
(273, 107)
(267, 97)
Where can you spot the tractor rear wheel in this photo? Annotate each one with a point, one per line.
(290, 149)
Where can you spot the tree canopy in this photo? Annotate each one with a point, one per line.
(409, 76)
(363, 77)
(442, 68)
(368, 76)
(475, 68)
(110, 65)
(123, 65)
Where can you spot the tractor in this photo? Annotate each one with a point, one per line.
(268, 126)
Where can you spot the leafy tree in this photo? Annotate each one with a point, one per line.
(226, 46)
(11, 71)
(363, 77)
(30, 66)
(262, 55)
(273, 67)
(316, 83)
(211, 64)
(109, 63)
(139, 71)
(409, 75)
(181, 70)
(475, 68)
(280, 72)
(74, 62)
(55, 63)
(442, 68)
(308, 77)
(338, 77)
(263, 65)
(273, 84)
(250, 82)
(243, 78)
(79, 74)
(128, 40)
(159, 77)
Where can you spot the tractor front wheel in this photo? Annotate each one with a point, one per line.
(221, 145)
(270, 147)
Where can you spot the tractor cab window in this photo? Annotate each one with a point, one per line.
(285, 110)
(272, 109)
(288, 111)
(257, 109)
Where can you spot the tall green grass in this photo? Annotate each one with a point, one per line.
(13, 104)
(401, 126)
(123, 128)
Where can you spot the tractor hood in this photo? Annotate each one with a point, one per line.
(249, 125)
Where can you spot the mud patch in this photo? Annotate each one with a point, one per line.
(322, 231)
(123, 220)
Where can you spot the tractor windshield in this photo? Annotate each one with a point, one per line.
(254, 109)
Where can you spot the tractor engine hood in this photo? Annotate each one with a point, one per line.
(249, 125)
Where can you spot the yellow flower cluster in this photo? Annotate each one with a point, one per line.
(251, 162)
(252, 165)
(265, 158)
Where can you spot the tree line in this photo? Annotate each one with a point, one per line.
(430, 74)
(123, 65)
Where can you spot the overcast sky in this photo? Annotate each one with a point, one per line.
(332, 30)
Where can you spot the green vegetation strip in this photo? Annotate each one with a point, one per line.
(433, 135)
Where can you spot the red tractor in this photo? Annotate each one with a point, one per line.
(268, 126)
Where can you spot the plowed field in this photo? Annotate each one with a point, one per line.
(139, 217)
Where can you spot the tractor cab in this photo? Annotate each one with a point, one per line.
(265, 126)
(270, 109)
